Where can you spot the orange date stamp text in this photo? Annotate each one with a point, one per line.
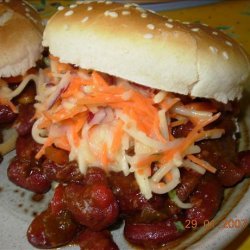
(228, 223)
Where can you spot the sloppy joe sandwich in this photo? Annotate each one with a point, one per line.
(20, 47)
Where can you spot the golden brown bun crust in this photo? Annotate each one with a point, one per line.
(21, 35)
(143, 47)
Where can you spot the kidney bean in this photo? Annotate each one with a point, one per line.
(6, 114)
(222, 154)
(244, 161)
(24, 121)
(229, 174)
(154, 234)
(128, 195)
(206, 200)
(171, 208)
(93, 206)
(48, 230)
(51, 169)
(189, 180)
(26, 147)
(57, 204)
(28, 175)
(70, 172)
(95, 175)
(89, 240)
(150, 215)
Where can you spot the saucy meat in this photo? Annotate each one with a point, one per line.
(26, 147)
(153, 234)
(28, 175)
(89, 240)
(49, 230)
(6, 114)
(206, 200)
(93, 206)
(189, 181)
(25, 119)
(223, 155)
(127, 193)
(244, 161)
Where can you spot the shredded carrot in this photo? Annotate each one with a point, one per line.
(75, 84)
(189, 140)
(169, 176)
(45, 123)
(156, 129)
(41, 152)
(62, 142)
(98, 80)
(139, 107)
(104, 156)
(76, 124)
(169, 104)
(63, 114)
(202, 163)
(117, 138)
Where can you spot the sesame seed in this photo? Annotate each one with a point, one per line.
(144, 15)
(213, 49)
(225, 55)
(150, 26)
(60, 8)
(85, 19)
(228, 43)
(72, 6)
(125, 12)
(170, 20)
(195, 29)
(112, 14)
(169, 25)
(148, 36)
(69, 13)
(89, 8)
(186, 22)
(101, 1)
(128, 5)
(152, 11)
(31, 18)
(79, 2)
(215, 33)
(27, 9)
(204, 24)
(108, 2)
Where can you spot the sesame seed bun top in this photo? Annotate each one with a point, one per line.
(141, 46)
(21, 37)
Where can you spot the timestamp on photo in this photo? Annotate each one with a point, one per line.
(228, 223)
